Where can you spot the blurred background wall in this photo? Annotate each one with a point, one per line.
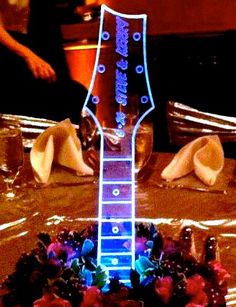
(180, 16)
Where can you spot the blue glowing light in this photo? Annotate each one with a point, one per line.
(144, 99)
(137, 36)
(123, 64)
(116, 198)
(115, 229)
(121, 87)
(122, 36)
(120, 133)
(95, 99)
(120, 118)
(116, 192)
(139, 69)
(101, 68)
(105, 36)
(115, 261)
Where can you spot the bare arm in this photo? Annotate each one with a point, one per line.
(39, 68)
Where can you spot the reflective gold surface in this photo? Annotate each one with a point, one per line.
(71, 201)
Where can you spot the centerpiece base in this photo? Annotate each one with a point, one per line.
(167, 272)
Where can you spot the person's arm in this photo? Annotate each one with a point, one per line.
(39, 68)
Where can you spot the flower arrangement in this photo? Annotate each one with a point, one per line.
(62, 271)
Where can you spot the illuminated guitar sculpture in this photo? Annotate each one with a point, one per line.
(120, 74)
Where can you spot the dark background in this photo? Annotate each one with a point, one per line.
(197, 70)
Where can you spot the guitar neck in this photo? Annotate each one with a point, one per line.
(118, 100)
(116, 214)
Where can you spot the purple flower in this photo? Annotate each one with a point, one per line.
(60, 251)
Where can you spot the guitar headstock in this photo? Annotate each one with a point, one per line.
(119, 93)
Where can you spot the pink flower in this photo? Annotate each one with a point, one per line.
(164, 288)
(92, 297)
(140, 244)
(195, 290)
(194, 284)
(50, 299)
(58, 248)
(221, 274)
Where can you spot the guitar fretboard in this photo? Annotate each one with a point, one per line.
(116, 222)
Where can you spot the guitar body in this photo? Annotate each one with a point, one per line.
(118, 100)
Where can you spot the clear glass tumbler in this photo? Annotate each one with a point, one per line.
(90, 138)
(11, 159)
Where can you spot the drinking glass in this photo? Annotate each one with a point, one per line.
(143, 145)
(90, 141)
(11, 159)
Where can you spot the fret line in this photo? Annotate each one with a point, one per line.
(115, 237)
(116, 254)
(117, 159)
(117, 220)
(116, 181)
(113, 268)
(108, 202)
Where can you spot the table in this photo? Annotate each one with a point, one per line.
(71, 201)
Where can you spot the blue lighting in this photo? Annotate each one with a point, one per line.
(120, 118)
(136, 36)
(122, 36)
(120, 133)
(121, 87)
(115, 229)
(101, 68)
(95, 99)
(116, 192)
(115, 261)
(114, 113)
(139, 69)
(144, 99)
(122, 64)
(105, 36)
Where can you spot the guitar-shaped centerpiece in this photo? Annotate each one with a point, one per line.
(119, 98)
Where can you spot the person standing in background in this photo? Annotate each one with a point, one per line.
(33, 67)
